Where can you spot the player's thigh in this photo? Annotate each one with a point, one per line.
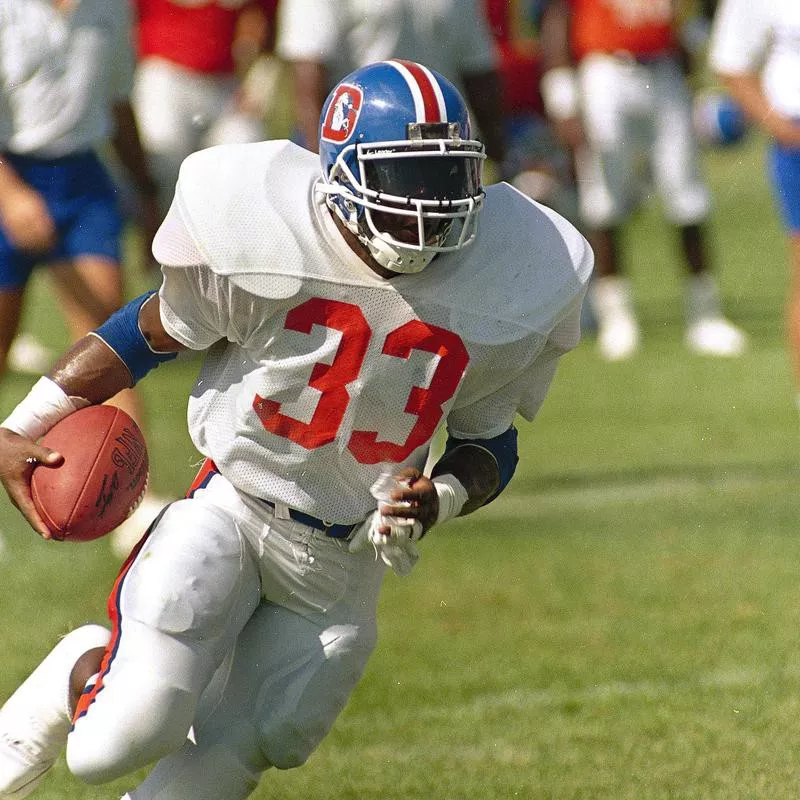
(287, 681)
(177, 609)
(607, 86)
(163, 100)
(89, 289)
(607, 180)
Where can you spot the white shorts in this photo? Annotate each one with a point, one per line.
(249, 630)
(638, 124)
(179, 111)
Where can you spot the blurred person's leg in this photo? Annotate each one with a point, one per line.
(606, 180)
(10, 315)
(170, 125)
(784, 164)
(611, 299)
(679, 181)
(793, 310)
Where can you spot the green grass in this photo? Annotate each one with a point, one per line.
(624, 623)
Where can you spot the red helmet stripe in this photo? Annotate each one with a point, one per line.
(427, 94)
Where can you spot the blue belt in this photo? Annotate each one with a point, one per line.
(333, 529)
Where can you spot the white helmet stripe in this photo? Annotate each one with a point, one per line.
(429, 102)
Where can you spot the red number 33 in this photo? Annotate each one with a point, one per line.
(331, 381)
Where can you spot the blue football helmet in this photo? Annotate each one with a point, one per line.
(399, 166)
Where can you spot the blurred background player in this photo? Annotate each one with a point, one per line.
(65, 75)
(616, 89)
(190, 90)
(536, 162)
(324, 40)
(755, 50)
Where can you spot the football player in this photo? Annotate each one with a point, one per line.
(755, 51)
(614, 87)
(347, 314)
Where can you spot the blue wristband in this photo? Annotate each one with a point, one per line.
(122, 334)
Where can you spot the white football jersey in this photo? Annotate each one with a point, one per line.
(319, 373)
(749, 37)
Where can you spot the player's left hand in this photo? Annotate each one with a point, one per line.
(408, 505)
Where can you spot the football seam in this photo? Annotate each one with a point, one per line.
(100, 450)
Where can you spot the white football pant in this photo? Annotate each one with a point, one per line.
(249, 630)
(638, 124)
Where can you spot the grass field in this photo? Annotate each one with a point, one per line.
(624, 623)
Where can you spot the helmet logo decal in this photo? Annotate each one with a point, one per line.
(429, 101)
(342, 115)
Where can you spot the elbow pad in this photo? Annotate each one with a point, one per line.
(502, 447)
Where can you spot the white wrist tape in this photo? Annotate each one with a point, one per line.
(44, 405)
(559, 88)
(452, 496)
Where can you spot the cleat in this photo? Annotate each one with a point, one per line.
(618, 339)
(35, 721)
(716, 336)
(617, 329)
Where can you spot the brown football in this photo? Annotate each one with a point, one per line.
(102, 479)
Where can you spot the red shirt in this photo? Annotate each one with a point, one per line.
(520, 63)
(639, 27)
(195, 34)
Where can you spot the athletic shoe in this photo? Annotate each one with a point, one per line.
(716, 336)
(127, 535)
(35, 721)
(617, 329)
(618, 339)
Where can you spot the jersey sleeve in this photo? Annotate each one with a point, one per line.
(198, 307)
(523, 393)
(739, 37)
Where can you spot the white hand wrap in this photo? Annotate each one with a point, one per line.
(452, 496)
(559, 88)
(396, 549)
(44, 405)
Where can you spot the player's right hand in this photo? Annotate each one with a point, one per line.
(18, 457)
(26, 219)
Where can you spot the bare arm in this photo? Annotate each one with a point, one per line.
(88, 373)
(91, 370)
(746, 89)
